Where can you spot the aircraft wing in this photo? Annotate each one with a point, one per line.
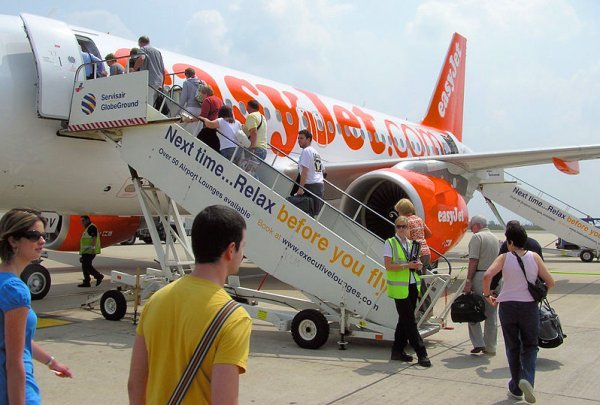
(519, 158)
(344, 173)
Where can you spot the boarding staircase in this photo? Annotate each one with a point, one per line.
(545, 211)
(332, 259)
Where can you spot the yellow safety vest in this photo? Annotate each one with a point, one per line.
(398, 281)
(86, 244)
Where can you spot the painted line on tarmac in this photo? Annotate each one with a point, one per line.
(51, 321)
(578, 273)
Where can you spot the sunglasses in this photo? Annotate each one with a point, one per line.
(33, 236)
(401, 226)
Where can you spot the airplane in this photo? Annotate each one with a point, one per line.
(374, 157)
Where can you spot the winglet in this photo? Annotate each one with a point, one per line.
(566, 167)
(446, 105)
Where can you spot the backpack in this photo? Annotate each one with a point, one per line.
(551, 334)
(468, 308)
(197, 95)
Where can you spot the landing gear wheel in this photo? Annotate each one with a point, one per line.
(113, 305)
(310, 329)
(586, 256)
(37, 278)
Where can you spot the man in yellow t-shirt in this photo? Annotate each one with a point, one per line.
(177, 316)
(256, 128)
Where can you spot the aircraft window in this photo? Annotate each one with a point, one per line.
(319, 124)
(304, 121)
(278, 115)
(355, 132)
(362, 134)
(330, 126)
(290, 120)
(242, 107)
(89, 46)
(267, 113)
(401, 143)
(348, 131)
(339, 129)
(228, 103)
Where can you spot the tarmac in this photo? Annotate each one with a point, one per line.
(279, 372)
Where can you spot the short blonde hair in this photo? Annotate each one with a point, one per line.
(401, 220)
(405, 207)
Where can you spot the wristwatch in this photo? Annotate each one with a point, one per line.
(487, 295)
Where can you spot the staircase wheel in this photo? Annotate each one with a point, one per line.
(310, 329)
(113, 305)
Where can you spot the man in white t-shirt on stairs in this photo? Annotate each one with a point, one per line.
(311, 169)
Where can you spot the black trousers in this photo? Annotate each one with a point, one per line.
(318, 189)
(406, 329)
(87, 268)
(209, 137)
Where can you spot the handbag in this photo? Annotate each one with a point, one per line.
(468, 308)
(200, 353)
(242, 139)
(304, 202)
(539, 289)
(551, 334)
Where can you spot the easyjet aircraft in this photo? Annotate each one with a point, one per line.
(376, 158)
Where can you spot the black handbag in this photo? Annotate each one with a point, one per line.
(551, 334)
(304, 202)
(539, 289)
(468, 308)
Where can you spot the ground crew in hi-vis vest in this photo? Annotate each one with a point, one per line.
(89, 247)
(403, 285)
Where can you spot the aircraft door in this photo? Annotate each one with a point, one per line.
(57, 57)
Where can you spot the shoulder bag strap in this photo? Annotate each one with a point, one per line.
(201, 350)
(522, 266)
(260, 125)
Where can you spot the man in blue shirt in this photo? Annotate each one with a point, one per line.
(92, 65)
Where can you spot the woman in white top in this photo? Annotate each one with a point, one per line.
(518, 312)
(226, 127)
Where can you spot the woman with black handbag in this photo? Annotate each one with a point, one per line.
(518, 312)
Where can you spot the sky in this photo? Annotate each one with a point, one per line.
(532, 79)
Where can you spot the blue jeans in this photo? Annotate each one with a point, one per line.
(520, 327)
(253, 162)
(228, 154)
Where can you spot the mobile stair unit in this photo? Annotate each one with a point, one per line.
(333, 260)
(545, 211)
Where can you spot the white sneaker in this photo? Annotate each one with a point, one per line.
(514, 396)
(527, 389)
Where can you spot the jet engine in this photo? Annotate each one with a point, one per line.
(436, 201)
(64, 231)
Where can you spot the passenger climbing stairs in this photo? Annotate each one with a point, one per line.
(334, 261)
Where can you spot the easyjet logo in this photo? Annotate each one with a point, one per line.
(451, 216)
(329, 121)
(449, 85)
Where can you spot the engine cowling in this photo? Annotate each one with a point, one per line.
(443, 209)
(64, 231)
